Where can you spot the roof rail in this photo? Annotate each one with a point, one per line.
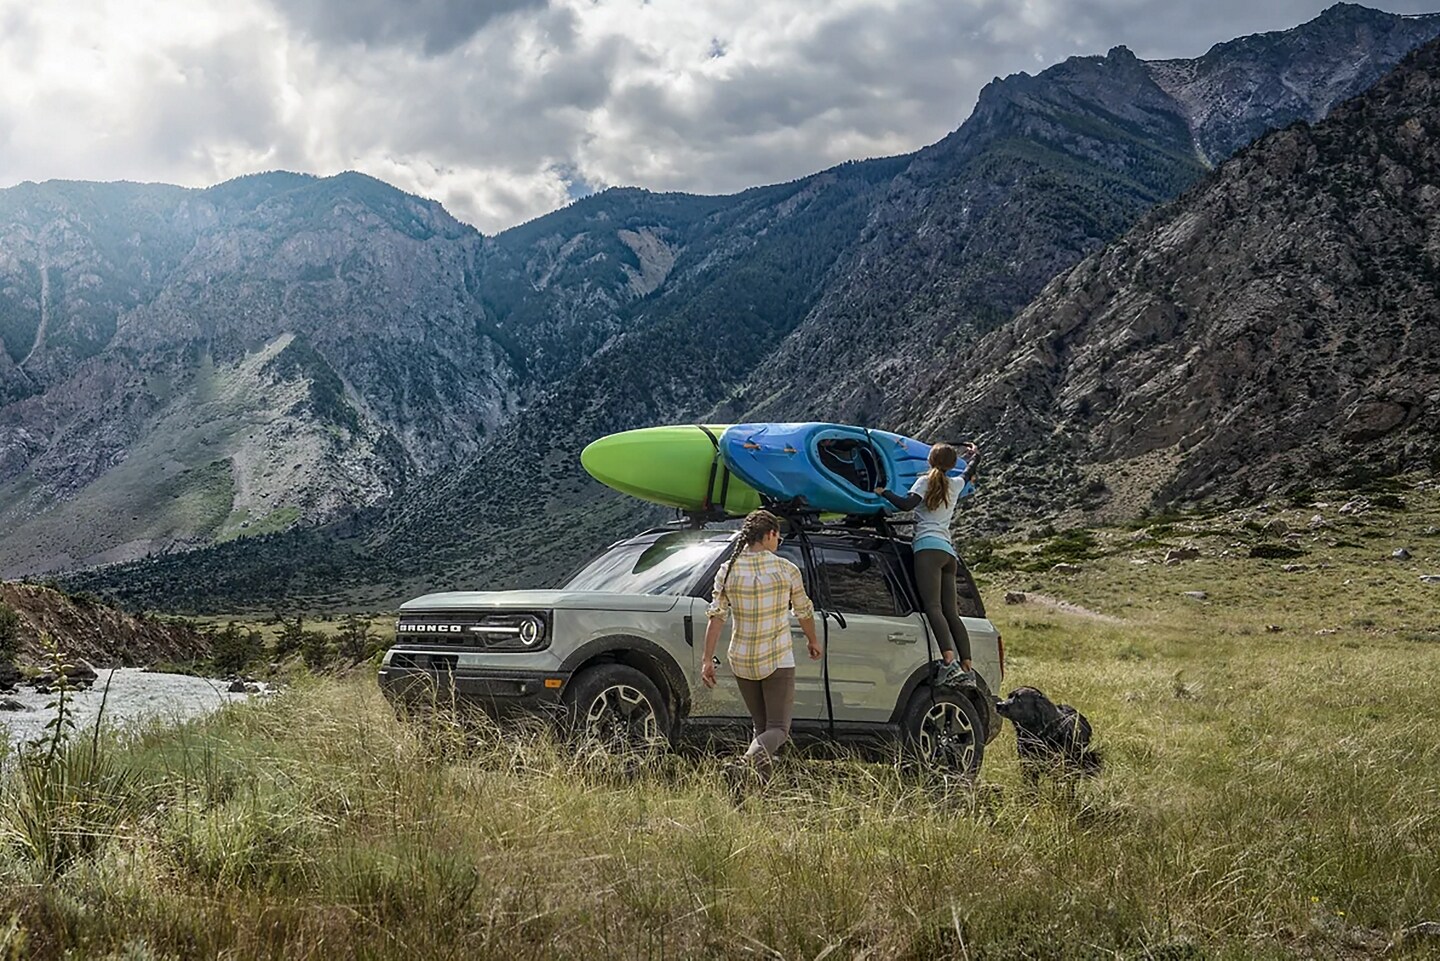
(797, 514)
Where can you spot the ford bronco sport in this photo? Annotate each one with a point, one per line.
(616, 651)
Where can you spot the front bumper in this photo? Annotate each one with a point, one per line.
(423, 680)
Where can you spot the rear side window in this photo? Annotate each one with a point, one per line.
(857, 580)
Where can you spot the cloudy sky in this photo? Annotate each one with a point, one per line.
(505, 109)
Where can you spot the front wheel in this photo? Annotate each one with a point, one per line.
(943, 731)
(618, 709)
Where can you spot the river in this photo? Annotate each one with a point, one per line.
(136, 697)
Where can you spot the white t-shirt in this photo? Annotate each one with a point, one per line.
(935, 523)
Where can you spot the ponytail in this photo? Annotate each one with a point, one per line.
(937, 485)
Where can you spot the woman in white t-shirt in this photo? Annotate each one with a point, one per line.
(933, 498)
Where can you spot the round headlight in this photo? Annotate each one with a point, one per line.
(529, 631)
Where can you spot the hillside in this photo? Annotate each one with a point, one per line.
(1273, 330)
(84, 627)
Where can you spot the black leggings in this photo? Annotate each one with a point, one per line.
(935, 573)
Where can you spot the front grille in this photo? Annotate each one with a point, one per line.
(508, 630)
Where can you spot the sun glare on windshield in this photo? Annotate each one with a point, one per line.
(667, 565)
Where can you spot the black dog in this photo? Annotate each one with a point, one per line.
(1049, 737)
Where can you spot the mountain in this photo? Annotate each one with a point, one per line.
(186, 365)
(1047, 170)
(1275, 329)
(857, 293)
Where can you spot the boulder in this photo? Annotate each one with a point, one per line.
(237, 686)
(1317, 522)
(1277, 527)
(1178, 554)
(1065, 569)
(10, 676)
(1014, 597)
(1294, 568)
(82, 673)
(11, 704)
(1359, 505)
(1273, 628)
(1197, 595)
(1430, 578)
(1400, 554)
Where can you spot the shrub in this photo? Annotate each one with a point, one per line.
(292, 637)
(315, 648)
(1275, 552)
(234, 649)
(355, 637)
(9, 633)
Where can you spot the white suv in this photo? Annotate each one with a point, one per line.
(616, 651)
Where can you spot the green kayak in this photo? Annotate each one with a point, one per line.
(677, 466)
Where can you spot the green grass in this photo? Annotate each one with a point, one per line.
(241, 524)
(1266, 795)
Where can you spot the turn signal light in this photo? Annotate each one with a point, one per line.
(553, 683)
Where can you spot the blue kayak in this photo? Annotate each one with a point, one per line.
(829, 467)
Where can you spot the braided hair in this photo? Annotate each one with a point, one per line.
(757, 525)
(937, 490)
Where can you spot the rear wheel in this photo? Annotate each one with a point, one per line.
(617, 708)
(943, 731)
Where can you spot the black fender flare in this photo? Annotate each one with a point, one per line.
(980, 696)
(645, 656)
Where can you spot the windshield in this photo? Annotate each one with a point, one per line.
(667, 565)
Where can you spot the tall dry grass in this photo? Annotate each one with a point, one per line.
(1265, 795)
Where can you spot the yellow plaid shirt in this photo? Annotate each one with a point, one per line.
(761, 592)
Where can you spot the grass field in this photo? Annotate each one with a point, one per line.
(1272, 789)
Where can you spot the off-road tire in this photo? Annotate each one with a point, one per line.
(617, 708)
(943, 730)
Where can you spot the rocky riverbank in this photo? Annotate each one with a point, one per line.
(85, 628)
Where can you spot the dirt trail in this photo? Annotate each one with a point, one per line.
(44, 314)
(1066, 607)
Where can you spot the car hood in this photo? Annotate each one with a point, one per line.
(535, 600)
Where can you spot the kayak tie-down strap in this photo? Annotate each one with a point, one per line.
(717, 466)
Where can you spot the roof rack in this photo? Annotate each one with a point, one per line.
(798, 515)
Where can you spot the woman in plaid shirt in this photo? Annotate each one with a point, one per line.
(760, 589)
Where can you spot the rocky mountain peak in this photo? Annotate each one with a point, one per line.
(1241, 88)
(1272, 330)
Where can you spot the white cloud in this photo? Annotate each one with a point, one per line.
(504, 110)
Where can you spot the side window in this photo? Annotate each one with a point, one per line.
(858, 584)
(967, 595)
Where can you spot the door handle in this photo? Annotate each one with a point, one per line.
(901, 638)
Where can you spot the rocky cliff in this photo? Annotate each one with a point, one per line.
(1047, 170)
(83, 627)
(1274, 329)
